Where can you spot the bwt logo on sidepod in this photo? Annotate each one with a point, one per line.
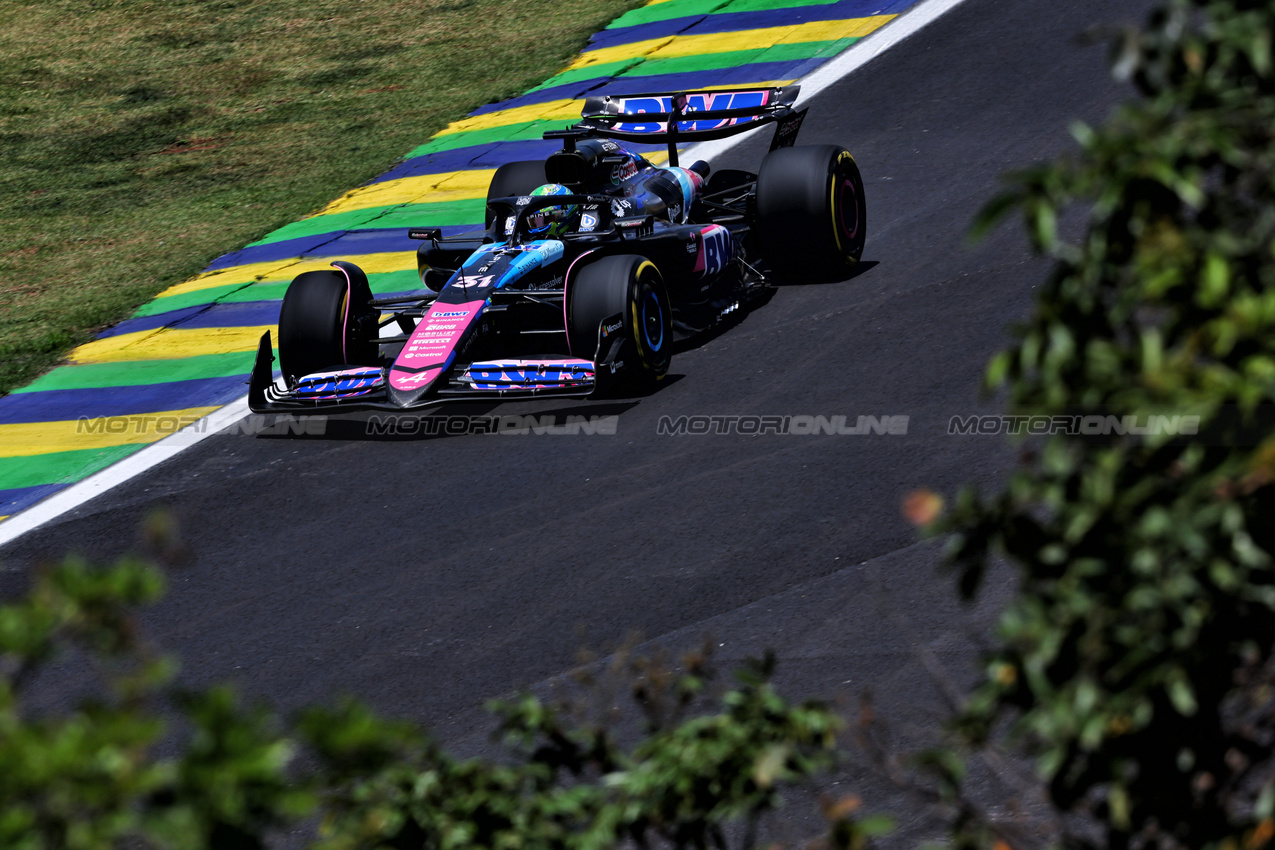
(716, 249)
(453, 314)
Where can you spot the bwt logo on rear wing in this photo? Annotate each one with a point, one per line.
(662, 106)
(687, 116)
(684, 116)
(693, 114)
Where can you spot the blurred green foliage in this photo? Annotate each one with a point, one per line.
(1134, 666)
(1133, 671)
(142, 763)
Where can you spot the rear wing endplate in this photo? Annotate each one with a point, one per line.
(688, 116)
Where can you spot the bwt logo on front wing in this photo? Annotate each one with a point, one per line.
(787, 425)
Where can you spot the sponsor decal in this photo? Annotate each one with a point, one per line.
(610, 329)
(545, 251)
(411, 382)
(523, 201)
(432, 344)
(522, 375)
(523, 260)
(786, 133)
(716, 249)
(339, 383)
(675, 212)
(694, 103)
(623, 172)
(588, 222)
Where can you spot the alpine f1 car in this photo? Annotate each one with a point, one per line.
(592, 263)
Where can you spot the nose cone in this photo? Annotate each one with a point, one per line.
(431, 349)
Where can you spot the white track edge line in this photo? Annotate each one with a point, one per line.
(117, 473)
(832, 71)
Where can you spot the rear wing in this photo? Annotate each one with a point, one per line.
(689, 116)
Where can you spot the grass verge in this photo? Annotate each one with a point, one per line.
(140, 139)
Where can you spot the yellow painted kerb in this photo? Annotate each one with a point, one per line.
(696, 45)
(38, 438)
(169, 343)
(553, 110)
(279, 271)
(431, 188)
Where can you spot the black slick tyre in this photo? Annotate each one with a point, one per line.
(325, 322)
(811, 213)
(622, 295)
(515, 178)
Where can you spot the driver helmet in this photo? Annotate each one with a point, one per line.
(551, 222)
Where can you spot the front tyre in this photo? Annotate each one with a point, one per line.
(812, 215)
(622, 295)
(326, 322)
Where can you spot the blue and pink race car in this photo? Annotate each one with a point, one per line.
(592, 263)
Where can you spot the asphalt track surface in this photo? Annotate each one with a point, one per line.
(428, 575)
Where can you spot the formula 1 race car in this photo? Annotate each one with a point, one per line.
(593, 261)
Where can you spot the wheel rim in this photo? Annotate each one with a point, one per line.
(848, 214)
(652, 320)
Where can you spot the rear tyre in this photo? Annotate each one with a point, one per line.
(326, 323)
(811, 213)
(623, 295)
(515, 178)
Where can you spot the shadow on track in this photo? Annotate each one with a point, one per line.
(450, 421)
(733, 321)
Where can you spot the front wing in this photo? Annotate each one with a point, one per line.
(363, 387)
